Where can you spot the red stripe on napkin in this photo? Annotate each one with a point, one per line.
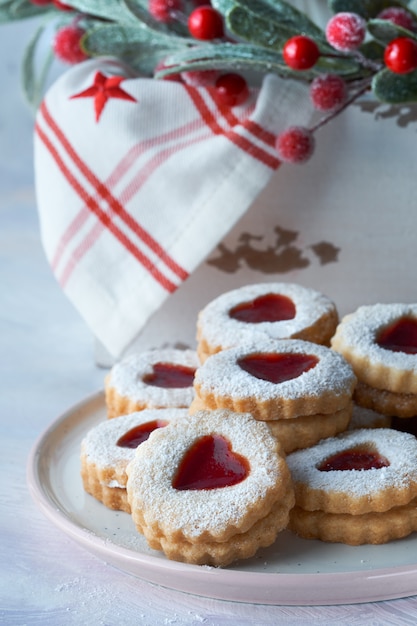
(241, 142)
(104, 218)
(114, 204)
(121, 169)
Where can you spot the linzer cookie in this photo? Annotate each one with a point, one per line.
(359, 487)
(380, 342)
(263, 311)
(151, 379)
(210, 489)
(306, 430)
(277, 381)
(109, 446)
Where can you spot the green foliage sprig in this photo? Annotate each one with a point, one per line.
(257, 31)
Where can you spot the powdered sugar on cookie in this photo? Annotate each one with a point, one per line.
(128, 387)
(356, 338)
(315, 317)
(99, 446)
(357, 491)
(325, 387)
(188, 515)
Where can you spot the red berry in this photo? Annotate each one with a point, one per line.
(200, 78)
(300, 52)
(67, 44)
(346, 31)
(398, 16)
(205, 23)
(231, 89)
(295, 145)
(164, 10)
(400, 55)
(328, 92)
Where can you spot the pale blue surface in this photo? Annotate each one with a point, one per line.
(47, 365)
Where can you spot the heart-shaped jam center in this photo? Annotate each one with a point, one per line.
(268, 308)
(354, 459)
(276, 367)
(210, 463)
(170, 376)
(401, 336)
(138, 434)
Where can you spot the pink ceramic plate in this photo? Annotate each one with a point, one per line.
(292, 572)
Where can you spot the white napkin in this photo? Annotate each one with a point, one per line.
(138, 180)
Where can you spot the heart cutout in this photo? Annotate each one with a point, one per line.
(137, 435)
(401, 336)
(277, 368)
(354, 459)
(170, 376)
(210, 463)
(270, 307)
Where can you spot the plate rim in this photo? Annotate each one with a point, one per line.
(225, 583)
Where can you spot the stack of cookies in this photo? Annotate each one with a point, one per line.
(278, 419)
(302, 390)
(210, 489)
(359, 487)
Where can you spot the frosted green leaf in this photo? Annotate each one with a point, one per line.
(225, 57)
(395, 88)
(21, 9)
(271, 36)
(223, 5)
(282, 15)
(385, 31)
(136, 45)
(113, 10)
(243, 57)
(261, 31)
(33, 81)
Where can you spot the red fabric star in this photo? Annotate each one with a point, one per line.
(102, 90)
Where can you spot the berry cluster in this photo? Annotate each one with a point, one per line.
(345, 32)
(210, 44)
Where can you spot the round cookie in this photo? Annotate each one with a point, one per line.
(213, 461)
(359, 487)
(275, 380)
(380, 342)
(265, 311)
(108, 447)
(151, 379)
(333, 475)
(306, 430)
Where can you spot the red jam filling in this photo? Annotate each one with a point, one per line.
(401, 336)
(210, 463)
(277, 368)
(269, 308)
(170, 376)
(354, 459)
(137, 435)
